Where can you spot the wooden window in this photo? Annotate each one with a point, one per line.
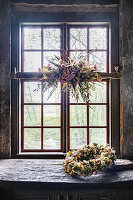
(89, 123)
(41, 124)
(60, 123)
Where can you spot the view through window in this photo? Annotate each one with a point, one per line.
(60, 123)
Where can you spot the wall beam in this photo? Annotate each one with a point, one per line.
(4, 79)
(126, 84)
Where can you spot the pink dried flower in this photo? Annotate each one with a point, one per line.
(49, 67)
(63, 66)
(95, 67)
(68, 73)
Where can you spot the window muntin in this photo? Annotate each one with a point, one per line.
(83, 124)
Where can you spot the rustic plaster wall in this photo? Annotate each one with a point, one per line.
(126, 61)
(4, 78)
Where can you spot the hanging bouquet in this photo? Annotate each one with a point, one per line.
(89, 160)
(72, 74)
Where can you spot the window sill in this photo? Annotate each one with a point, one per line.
(50, 174)
(40, 155)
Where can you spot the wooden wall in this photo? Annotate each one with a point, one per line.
(4, 78)
(126, 61)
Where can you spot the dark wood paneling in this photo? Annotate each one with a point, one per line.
(62, 17)
(4, 79)
(106, 2)
(38, 75)
(126, 61)
(115, 86)
(24, 7)
(14, 90)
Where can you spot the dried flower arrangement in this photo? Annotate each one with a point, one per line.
(89, 160)
(78, 76)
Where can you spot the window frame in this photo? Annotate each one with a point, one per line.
(21, 124)
(101, 18)
(68, 105)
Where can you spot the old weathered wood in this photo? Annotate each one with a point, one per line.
(67, 2)
(25, 7)
(126, 60)
(52, 171)
(42, 17)
(14, 91)
(4, 78)
(46, 179)
(115, 87)
(39, 75)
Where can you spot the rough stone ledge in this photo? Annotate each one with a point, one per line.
(50, 174)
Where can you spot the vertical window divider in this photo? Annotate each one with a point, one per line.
(68, 92)
(87, 123)
(107, 100)
(22, 115)
(41, 90)
(41, 118)
(62, 140)
(88, 88)
(107, 113)
(22, 90)
(64, 94)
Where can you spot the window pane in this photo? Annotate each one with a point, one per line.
(30, 95)
(78, 137)
(99, 59)
(99, 94)
(32, 61)
(73, 100)
(50, 56)
(55, 96)
(51, 38)
(78, 38)
(78, 115)
(52, 115)
(78, 56)
(97, 38)
(32, 38)
(97, 135)
(32, 138)
(51, 138)
(32, 115)
(97, 115)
